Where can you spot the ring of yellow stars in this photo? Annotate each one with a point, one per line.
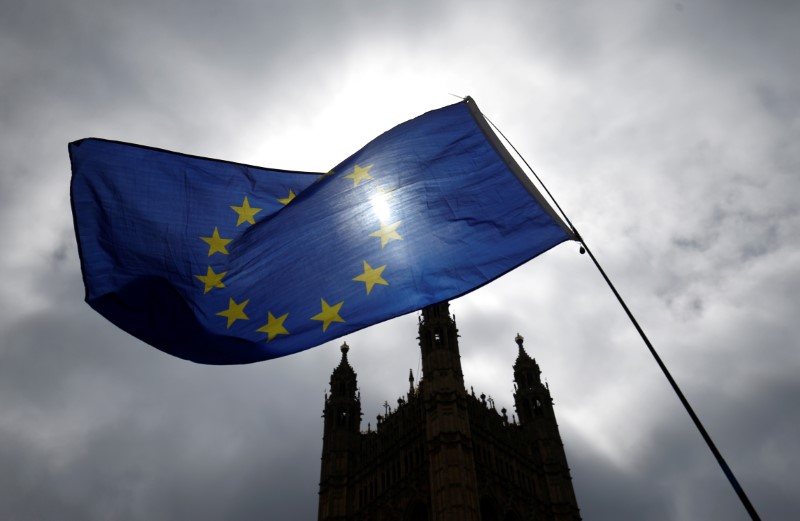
(388, 233)
(359, 174)
(246, 212)
(288, 199)
(329, 314)
(212, 280)
(216, 243)
(371, 276)
(234, 312)
(274, 326)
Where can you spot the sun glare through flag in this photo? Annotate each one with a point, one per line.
(223, 263)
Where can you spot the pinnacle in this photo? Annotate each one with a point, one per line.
(523, 356)
(344, 365)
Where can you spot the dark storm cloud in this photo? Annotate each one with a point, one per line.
(95, 428)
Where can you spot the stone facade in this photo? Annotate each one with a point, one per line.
(444, 454)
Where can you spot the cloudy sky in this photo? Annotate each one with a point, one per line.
(668, 132)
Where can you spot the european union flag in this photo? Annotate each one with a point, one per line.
(223, 263)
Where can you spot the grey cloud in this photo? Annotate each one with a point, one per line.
(667, 134)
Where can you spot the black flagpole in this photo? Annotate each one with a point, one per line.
(725, 468)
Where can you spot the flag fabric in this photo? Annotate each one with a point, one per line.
(223, 263)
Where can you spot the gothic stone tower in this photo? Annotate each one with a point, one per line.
(443, 453)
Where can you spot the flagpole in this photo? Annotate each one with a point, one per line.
(720, 460)
(725, 468)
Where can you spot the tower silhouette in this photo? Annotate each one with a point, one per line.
(444, 454)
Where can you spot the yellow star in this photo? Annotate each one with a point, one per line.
(359, 174)
(234, 312)
(212, 280)
(246, 212)
(288, 199)
(323, 176)
(329, 314)
(371, 276)
(274, 326)
(388, 233)
(216, 243)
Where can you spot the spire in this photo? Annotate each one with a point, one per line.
(344, 367)
(522, 356)
(526, 370)
(343, 378)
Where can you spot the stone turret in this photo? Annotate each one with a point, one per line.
(535, 411)
(340, 441)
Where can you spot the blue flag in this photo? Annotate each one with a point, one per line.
(222, 263)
